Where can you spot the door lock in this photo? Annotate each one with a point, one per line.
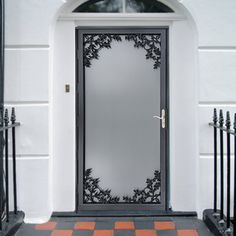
(162, 118)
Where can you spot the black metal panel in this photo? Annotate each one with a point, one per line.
(131, 34)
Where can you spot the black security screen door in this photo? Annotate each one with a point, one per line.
(122, 119)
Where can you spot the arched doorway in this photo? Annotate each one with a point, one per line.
(181, 42)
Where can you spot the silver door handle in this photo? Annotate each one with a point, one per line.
(162, 118)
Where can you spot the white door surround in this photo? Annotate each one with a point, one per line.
(183, 89)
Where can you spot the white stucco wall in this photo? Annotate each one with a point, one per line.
(30, 26)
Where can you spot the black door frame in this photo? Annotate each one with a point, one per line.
(80, 120)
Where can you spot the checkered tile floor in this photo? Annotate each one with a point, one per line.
(178, 226)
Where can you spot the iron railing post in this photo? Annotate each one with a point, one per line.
(223, 225)
(234, 222)
(221, 122)
(13, 120)
(228, 124)
(1, 170)
(2, 62)
(215, 160)
(5, 220)
(6, 119)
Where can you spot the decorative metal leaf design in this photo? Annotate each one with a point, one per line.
(151, 43)
(93, 193)
(150, 194)
(93, 43)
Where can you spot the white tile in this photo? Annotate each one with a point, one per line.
(215, 21)
(206, 132)
(32, 135)
(26, 75)
(29, 21)
(217, 76)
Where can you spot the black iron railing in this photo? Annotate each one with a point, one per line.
(7, 127)
(219, 219)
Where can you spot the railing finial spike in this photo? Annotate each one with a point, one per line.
(13, 115)
(227, 121)
(215, 119)
(1, 118)
(221, 118)
(235, 121)
(6, 117)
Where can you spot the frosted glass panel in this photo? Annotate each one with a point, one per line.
(122, 139)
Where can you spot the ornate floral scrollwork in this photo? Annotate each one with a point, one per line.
(93, 43)
(93, 193)
(150, 194)
(151, 43)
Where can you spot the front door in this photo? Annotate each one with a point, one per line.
(121, 119)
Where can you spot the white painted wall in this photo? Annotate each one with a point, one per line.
(28, 49)
(35, 86)
(64, 118)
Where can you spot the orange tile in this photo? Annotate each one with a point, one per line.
(62, 233)
(85, 225)
(124, 225)
(187, 232)
(51, 225)
(146, 232)
(164, 225)
(103, 233)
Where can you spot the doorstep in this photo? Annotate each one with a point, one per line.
(117, 226)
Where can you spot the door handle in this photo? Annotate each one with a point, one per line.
(162, 118)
